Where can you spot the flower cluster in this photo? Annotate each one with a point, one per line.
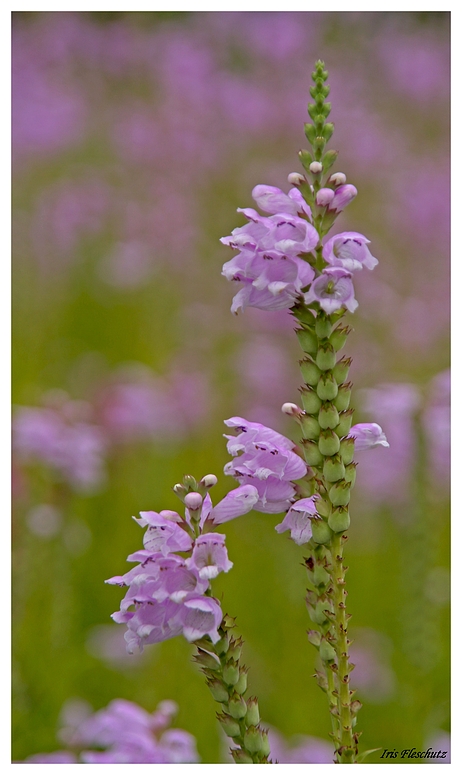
(278, 254)
(268, 464)
(124, 733)
(167, 590)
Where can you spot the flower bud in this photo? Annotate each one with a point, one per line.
(252, 716)
(237, 706)
(329, 159)
(328, 130)
(292, 410)
(218, 690)
(329, 443)
(333, 469)
(327, 386)
(265, 746)
(326, 651)
(314, 637)
(321, 680)
(308, 340)
(193, 501)
(310, 372)
(310, 427)
(304, 315)
(208, 481)
(339, 520)
(230, 726)
(312, 454)
(350, 473)
(324, 197)
(323, 325)
(326, 357)
(328, 416)
(323, 507)
(341, 369)
(316, 612)
(342, 401)
(295, 179)
(231, 673)
(339, 493)
(315, 167)
(337, 179)
(347, 450)
(346, 418)
(310, 400)
(205, 659)
(321, 533)
(342, 197)
(189, 482)
(339, 337)
(180, 490)
(221, 647)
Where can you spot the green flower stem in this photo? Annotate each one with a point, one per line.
(227, 681)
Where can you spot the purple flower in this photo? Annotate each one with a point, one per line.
(368, 435)
(267, 463)
(349, 250)
(298, 520)
(342, 197)
(333, 289)
(209, 556)
(284, 234)
(272, 200)
(163, 534)
(201, 616)
(324, 197)
(239, 501)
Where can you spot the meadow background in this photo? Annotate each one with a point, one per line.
(135, 138)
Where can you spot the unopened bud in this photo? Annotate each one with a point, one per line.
(342, 401)
(323, 325)
(235, 648)
(190, 482)
(253, 739)
(339, 520)
(321, 577)
(337, 179)
(350, 473)
(207, 660)
(292, 410)
(347, 450)
(315, 167)
(324, 197)
(295, 179)
(241, 685)
(193, 501)
(314, 637)
(208, 481)
(323, 507)
(339, 337)
(321, 680)
(341, 369)
(241, 757)
(180, 490)
(342, 197)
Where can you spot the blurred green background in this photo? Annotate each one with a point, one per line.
(135, 138)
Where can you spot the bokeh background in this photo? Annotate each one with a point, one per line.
(135, 138)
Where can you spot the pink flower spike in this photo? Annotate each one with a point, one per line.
(236, 503)
(209, 556)
(298, 520)
(342, 197)
(201, 616)
(368, 435)
(333, 289)
(349, 250)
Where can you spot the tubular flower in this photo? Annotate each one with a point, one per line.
(368, 435)
(333, 289)
(298, 520)
(349, 250)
